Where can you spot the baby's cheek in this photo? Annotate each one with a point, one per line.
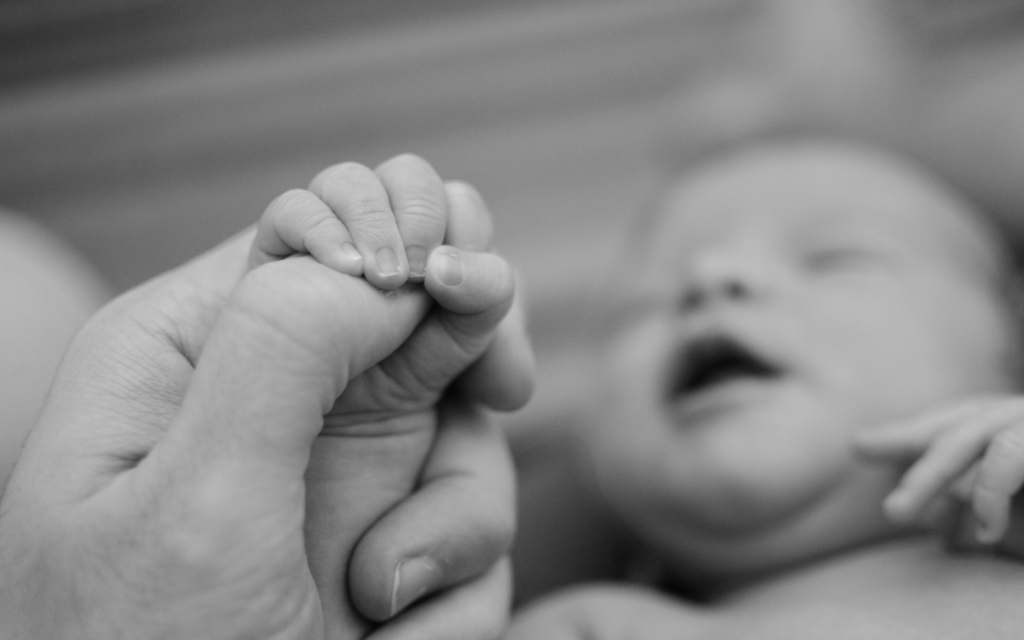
(631, 389)
(627, 438)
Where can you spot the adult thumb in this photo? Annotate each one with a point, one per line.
(291, 336)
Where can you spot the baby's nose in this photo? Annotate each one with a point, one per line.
(723, 277)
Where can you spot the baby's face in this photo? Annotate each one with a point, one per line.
(789, 298)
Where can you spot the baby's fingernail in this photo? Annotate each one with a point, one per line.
(413, 578)
(417, 256)
(350, 253)
(450, 269)
(387, 262)
(984, 533)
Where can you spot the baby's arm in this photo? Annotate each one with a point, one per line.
(972, 451)
(341, 222)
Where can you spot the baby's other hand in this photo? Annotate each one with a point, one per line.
(972, 451)
(381, 223)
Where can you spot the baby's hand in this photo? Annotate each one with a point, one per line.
(381, 224)
(973, 451)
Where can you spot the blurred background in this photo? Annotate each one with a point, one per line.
(145, 131)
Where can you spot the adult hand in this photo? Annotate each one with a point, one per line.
(161, 493)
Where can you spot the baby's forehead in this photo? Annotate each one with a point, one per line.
(813, 188)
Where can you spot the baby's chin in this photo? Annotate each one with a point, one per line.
(718, 502)
(731, 532)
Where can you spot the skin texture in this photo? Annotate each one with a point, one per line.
(874, 291)
(163, 491)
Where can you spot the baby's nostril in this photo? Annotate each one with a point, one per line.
(735, 289)
(697, 297)
(693, 299)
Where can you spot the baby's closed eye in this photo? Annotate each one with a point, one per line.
(836, 258)
(846, 258)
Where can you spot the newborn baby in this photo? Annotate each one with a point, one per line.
(788, 302)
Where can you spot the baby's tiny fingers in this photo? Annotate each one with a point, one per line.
(420, 206)
(298, 221)
(361, 202)
(1000, 476)
(911, 437)
(949, 456)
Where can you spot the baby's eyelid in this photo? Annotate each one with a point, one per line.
(841, 257)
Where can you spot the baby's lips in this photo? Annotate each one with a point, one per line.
(713, 358)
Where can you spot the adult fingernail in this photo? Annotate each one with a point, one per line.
(413, 578)
(450, 269)
(387, 262)
(417, 256)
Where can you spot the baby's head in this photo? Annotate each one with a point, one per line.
(788, 296)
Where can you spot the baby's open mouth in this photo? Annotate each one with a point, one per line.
(715, 360)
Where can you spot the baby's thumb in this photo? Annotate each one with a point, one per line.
(476, 288)
(479, 315)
